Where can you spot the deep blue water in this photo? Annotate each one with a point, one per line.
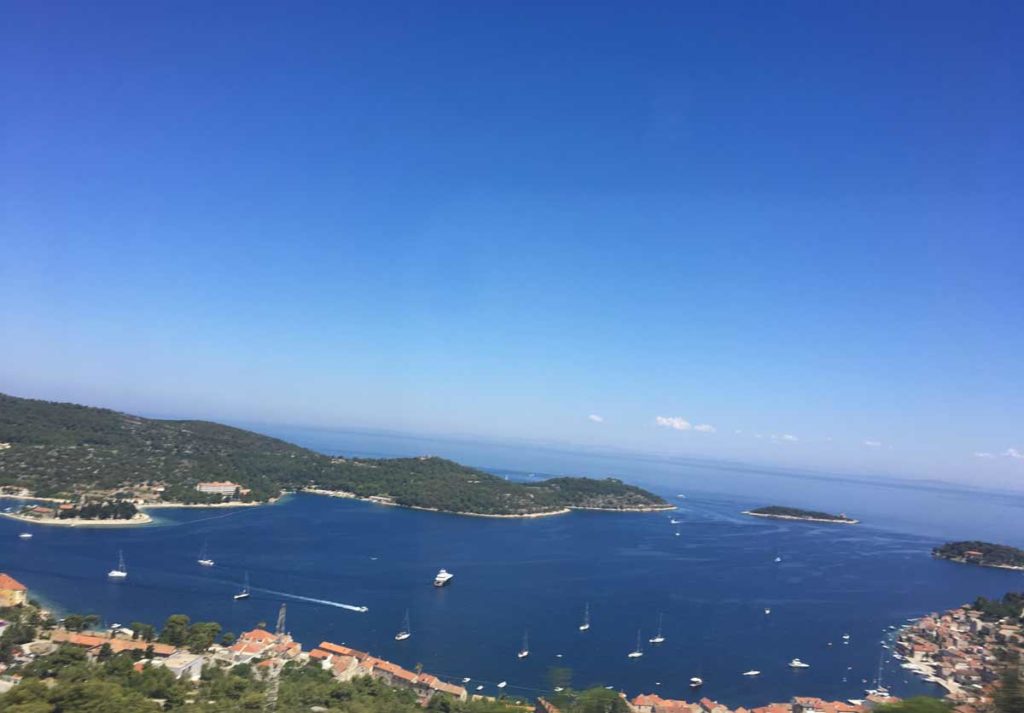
(712, 582)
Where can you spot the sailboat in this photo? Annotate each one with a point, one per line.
(585, 626)
(525, 651)
(245, 593)
(404, 633)
(659, 638)
(121, 572)
(637, 652)
(204, 558)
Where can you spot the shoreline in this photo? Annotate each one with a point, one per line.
(526, 516)
(848, 521)
(139, 519)
(1011, 567)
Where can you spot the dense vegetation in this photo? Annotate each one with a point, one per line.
(116, 510)
(780, 511)
(1010, 606)
(988, 554)
(68, 450)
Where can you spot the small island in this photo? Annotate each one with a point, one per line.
(786, 513)
(984, 554)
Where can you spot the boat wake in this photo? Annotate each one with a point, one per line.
(325, 602)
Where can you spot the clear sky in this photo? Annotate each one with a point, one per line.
(779, 232)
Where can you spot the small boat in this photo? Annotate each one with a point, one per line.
(525, 650)
(681, 496)
(480, 687)
(637, 652)
(404, 633)
(677, 533)
(502, 684)
(659, 638)
(674, 521)
(846, 636)
(558, 689)
(204, 558)
(767, 610)
(442, 578)
(696, 682)
(585, 626)
(121, 572)
(25, 535)
(751, 673)
(778, 558)
(797, 663)
(245, 593)
(467, 679)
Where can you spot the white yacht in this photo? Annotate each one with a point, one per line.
(637, 652)
(778, 558)
(659, 638)
(696, 682)
(204, 558)
(767, 610)
(751, 673)
(480, 687)
(525, 650)
(25, 535)
(585, 626)
(405, 632)
(245, 593)
(674, 521)
(797, 663)
(442, 578)
(121, 572)
(466, 679)
(502, 684)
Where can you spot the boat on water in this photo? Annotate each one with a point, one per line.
(466, 679)
(502, 684)
(846, 636)
(696, 682)
(674, 521)
(405, 632)
(525, 650)
(480, 687)
(121, 572)
(558, 689)
(778, 558)
(585, 626)
(637, 652)
(677, 533)
(752, 673)
(245, 593)
(204, 558)
(767, 610)
(442, 578)
(658, 638)
(797, 663)
(25, 535)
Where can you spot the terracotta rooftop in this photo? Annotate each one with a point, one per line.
(10, 584)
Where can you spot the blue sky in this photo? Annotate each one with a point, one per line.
(799, 224)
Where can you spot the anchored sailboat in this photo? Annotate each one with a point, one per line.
(121, 572)
(659, 638)
(586, 618)
(405, 632)
(204, 558)
(525, 651)
(637, 652)
(245, 593)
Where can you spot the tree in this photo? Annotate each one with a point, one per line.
(146, 632)
(227, 639)
(918, 704)
(1009, 697)
(599, 700)
(175, 630)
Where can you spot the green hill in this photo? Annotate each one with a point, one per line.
(67, 450)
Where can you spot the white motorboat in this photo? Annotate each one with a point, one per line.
(502, 684)
(797, 663)
(25, 535)
(696, 682)
(751, 673)
(442, 578)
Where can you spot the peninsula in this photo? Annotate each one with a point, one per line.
(81, 455)
(984, 554)
(787, 513)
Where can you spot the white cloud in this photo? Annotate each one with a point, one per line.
(758, 435)
(872, 444)
(789, 437)
(595, 418)
(739, 431)
(1013, 453)
(984, 454)
(676, 422)
(704, 428)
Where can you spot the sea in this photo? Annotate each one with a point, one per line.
(725, 604)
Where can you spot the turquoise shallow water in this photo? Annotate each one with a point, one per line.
(712, 582)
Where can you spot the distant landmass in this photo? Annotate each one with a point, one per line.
(788, 513)
(80, 453)
(985, 554)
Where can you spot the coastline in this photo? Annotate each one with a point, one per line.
(849, 521)
(546, 513)
(139, 518)
(957, 560)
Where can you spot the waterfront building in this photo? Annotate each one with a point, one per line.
(226, 488)
(12, 592)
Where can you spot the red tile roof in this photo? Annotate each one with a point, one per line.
(10, 584)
